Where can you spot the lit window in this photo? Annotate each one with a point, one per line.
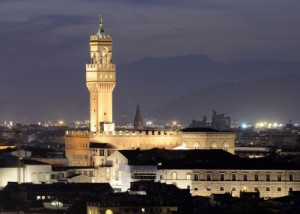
(188, 176)
(174, 176)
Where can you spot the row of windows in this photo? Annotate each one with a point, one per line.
(256, 189)
(76, 145)
(267, 177)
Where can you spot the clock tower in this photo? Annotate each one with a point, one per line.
(101, 81)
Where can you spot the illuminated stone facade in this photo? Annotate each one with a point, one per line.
(77, 142)
(204, 182)
(101, 80)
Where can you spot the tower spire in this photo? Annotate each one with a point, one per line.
(138, 121)
(100, 29)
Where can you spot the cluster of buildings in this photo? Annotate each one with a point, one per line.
(104, 170)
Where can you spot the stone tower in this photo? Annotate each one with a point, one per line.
(101, 80)
(138, 121)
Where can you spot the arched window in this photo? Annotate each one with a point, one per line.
(225, 146)
(213, 145)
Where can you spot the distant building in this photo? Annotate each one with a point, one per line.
(218, 122)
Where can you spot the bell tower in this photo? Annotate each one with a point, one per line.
(101, 80)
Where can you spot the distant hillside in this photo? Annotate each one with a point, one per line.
(154, 82)
(57, 92)
(269, 98)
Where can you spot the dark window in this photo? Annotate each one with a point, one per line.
(208, 177)
(196, 176)
(279, 177)
(233, 189)
(222, 177)
(268, 177)
(221, 188)
(245, 177)
(256, 177)
(233, 177)
(267, 189)
(278, 189)
(291, 177)
(256, 189)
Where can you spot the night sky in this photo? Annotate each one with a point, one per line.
(44, 40)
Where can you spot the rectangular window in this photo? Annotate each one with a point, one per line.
(195, 188)
(279, 177)
(268, 177)
(233, 177)
(41, 177)
(222, 177)
(221, 188)
(208, 188)
(256, 177)
(279, 189)
(267, 189)
(291, 177)
(208, 176)
(256, 189)
(188, 176)
(196, 177)
(290, 189)
(233, 189)
(245, 177)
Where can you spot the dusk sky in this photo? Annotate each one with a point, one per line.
(41, 36)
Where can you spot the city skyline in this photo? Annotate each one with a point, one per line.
(44, 41)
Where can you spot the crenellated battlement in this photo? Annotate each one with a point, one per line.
(100, 38)
(143, 133)
(129, 133)
(73, 133)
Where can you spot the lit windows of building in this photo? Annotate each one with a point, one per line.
(174, 176)
(188, 176)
